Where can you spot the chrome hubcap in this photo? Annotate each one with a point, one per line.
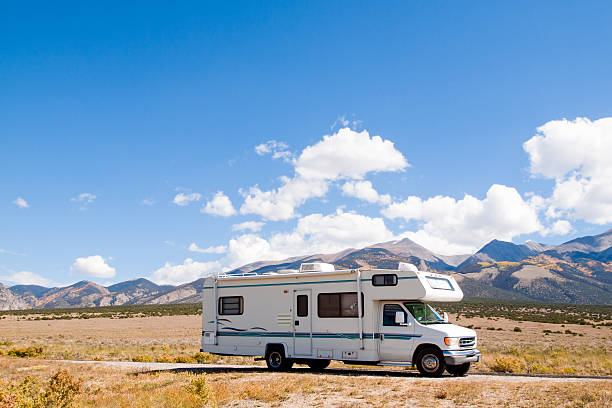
(430, 362)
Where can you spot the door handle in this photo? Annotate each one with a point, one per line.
(297, 322)
(382, 337)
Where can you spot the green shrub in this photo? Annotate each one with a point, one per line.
(143, 358)
(507, 364)
(59, 392)
(199, 387)
(62, 390)
(517, 329)
(25, 352)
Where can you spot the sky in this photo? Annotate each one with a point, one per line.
(171, 141)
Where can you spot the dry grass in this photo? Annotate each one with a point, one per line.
(106, 387)
(583, 350)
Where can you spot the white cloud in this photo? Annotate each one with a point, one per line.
(26, 278)
(252, 226)
(560, 227)
(148, 201)
(210, 250)
(349, 154)
(183, 199)
(279, 150)
(219, 205)
(364, 191)
(188, 271)
(6, 251)
(84, 199)
(576, 154)
(94, 266)
(315, 233)
(345, 154)
(21, 203)
(462, 226)
(280, 204)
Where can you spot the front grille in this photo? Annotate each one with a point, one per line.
(467, 341)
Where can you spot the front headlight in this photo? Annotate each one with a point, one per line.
(452, 342)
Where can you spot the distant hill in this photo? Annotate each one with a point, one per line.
(578, 271)
(497, 251)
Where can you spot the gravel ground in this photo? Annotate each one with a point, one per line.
(217, 368)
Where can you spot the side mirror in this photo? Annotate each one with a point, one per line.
(399, 318)
(445, 317)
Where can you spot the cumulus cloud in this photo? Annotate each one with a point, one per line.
(315, 233)
(183, 199)
(364, 191)
(220, 205)
(349, 154)
(21, 203)
(94, 266)
(346, 154)
(452, 226)
(576, 154)
(560, 227)
(210, 250)
(252, 226)
(188, 271)
(25, 278)
(278, 150)
(281, 203)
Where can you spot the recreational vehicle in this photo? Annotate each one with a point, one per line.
(317, 314)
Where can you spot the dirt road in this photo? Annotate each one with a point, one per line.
(349, 371)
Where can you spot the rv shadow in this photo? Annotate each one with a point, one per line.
(298, 370)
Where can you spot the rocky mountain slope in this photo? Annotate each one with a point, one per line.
(578, 271)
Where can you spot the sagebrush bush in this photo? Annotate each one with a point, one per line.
(32, 351)
(59, 392)
(507, 364)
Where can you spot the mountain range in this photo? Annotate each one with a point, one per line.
(577, 271)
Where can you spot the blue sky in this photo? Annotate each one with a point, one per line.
(108, 112)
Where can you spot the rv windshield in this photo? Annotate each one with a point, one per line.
(423, 313)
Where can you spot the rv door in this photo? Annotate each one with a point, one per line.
(396, 330)
(302, 322)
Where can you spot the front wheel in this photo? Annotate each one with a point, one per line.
(318, 365)
(430, 362)
(458, 370)
(276, 360)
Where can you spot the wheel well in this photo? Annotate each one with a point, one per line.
(275, 346)
(421, 347)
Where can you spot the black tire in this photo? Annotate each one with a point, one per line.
(276, 360)
(430, 362)
(458, 370)
(318, 365)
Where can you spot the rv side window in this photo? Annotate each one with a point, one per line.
(338, 304)
(389, 314)
(384, 280)
(230, 305)
(302, 305)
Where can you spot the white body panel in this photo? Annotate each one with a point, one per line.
(270, 315)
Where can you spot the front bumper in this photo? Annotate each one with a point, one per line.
(456, 357)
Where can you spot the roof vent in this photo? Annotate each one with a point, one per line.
(316, 267)
(405, 266)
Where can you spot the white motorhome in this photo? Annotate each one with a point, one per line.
(317, 314)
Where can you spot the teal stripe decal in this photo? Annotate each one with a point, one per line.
(351, 336)
(299, 283)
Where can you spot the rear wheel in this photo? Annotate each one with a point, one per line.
(276, 360)
(318, 365)
(430, 362)
(458, 370)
